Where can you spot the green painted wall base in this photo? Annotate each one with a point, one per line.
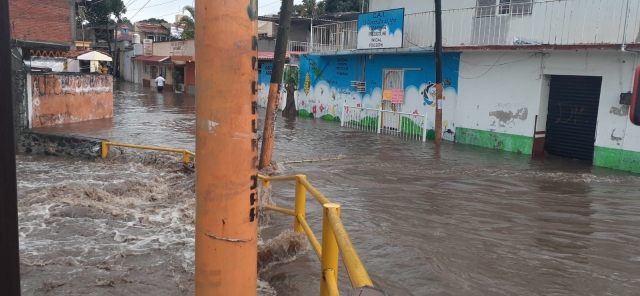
(617, 159)
(495, 140)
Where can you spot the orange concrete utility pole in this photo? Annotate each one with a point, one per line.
(227, 148)
(279, 57)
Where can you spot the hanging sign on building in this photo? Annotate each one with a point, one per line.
(386, 95)
(381, 29)
(178, 48)
(397, 96)
(148, 47)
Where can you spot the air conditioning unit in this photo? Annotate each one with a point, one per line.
(360, 86)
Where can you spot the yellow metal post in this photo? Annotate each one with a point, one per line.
(330, 250)
(105, 149)
(301, 199)
(226, 252)
(185, 157)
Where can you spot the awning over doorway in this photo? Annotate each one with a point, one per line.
(94, 56)
(156, 59)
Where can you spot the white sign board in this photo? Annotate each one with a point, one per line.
(381, 29)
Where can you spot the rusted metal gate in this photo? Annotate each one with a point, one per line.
(573, 115)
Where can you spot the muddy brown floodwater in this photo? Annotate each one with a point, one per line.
(454, 220)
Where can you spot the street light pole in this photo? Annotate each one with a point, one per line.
(438, 54)
(9, 242)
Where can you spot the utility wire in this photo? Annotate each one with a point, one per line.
(154, 5)
(140, 9)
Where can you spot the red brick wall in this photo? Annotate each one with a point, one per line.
(65, 98)
(40, 20)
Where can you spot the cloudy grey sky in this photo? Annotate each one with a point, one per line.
(167, 9)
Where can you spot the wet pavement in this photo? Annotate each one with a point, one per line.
(453, 220)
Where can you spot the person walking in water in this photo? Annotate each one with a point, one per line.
(160, 83)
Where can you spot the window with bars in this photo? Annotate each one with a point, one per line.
(488, 8)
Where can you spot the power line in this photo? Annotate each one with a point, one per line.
(154, 5)
(269, 4)
(140, 9)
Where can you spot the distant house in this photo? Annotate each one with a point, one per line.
(155, 32)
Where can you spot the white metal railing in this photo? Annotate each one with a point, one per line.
(555, 22)
(405, 125)
(335, 37)
(298, 46)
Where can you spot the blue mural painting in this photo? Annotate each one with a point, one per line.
(264, 79)
(381, 29)
(325, 84)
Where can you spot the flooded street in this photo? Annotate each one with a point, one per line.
(454, 220)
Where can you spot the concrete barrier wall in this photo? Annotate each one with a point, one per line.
(40, 143)
(59, 98)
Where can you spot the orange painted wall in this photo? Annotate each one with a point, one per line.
(59, 98)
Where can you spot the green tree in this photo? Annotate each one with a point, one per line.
(102, 16)
(153, 20)
(188, 23)
(333, 6)
(127, 22)
(310, 7)
(100, 13)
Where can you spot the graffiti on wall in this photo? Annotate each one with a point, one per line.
(58, 99)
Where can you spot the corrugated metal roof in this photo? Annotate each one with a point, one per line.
(156, 59)
(151, 28)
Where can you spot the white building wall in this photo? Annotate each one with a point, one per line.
(127, 66)
(550, 22)
(497, 97)
(486, 92)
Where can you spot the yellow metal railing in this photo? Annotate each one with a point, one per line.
(185, 153)
(335, 239)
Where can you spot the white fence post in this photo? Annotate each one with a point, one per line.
(344, 108)
(379, 120)
(424, 127)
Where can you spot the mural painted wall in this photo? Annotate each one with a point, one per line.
(291, 75)
(58, 99)
(325, 85)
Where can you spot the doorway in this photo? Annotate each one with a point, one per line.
(392, 79)
(572, 116)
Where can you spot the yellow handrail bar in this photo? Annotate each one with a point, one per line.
(358, 275)
(332, 283)
(281, 210)
(311, 236)
(335, 239)
(314, 192)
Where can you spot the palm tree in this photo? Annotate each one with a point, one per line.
(188, 23)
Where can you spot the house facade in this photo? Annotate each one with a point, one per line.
(525, 76)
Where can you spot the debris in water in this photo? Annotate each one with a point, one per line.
(50, 285)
